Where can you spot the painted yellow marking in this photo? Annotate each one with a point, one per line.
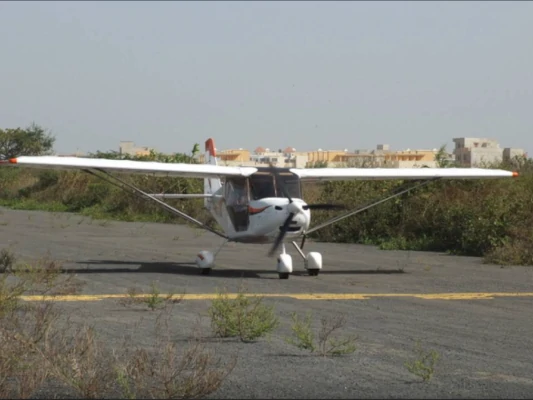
(298, 296)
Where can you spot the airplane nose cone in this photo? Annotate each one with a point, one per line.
(301, 214)
(295, 207)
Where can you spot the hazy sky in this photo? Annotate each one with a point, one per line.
(314, 74)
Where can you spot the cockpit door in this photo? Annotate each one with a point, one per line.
(237, 201)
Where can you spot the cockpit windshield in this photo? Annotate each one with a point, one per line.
(262, 185)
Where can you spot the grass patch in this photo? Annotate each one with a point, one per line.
(244, 316)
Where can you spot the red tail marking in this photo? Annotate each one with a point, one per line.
(210, 146)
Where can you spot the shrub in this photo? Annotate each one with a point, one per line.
(244, 316)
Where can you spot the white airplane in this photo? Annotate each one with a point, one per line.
(254, 204)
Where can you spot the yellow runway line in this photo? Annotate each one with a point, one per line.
(297, 296)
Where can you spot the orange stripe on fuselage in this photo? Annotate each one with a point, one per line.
(253, 211)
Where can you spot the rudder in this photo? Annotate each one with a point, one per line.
(211, 185)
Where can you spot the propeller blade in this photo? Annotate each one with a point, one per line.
(281, 235)
(326, 207)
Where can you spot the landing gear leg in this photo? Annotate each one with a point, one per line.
(284, 266)
(205, 260)
(312, 261)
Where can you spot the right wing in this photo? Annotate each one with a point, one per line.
(132, 167)
(344, 174)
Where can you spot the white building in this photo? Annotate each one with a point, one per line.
(478, 152)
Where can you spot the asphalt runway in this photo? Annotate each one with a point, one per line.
(477, 317)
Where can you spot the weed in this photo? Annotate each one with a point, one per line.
(28, 331)
(7, 260)
(423, 364)
(304, 336)
(81, 363)
(153, 299)
(326, 344)
(244, 316)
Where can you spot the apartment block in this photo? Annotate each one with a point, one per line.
(479, 152)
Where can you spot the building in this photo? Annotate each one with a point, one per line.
(233, 156)
(128, 147)
(479, 152)
(468, 152)
(511, 154)
(411, 159)
(381, 157)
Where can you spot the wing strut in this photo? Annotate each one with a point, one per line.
(142, 194)
(363, 208)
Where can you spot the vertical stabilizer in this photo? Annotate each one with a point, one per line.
(211, 185)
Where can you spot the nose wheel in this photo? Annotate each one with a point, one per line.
(284, 266)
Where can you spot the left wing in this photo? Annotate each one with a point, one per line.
(336, 174)
(132, 167)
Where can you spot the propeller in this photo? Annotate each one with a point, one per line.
(325, 206)
(293, 208)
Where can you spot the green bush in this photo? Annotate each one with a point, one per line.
(244, 316)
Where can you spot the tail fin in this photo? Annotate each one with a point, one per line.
(211, 185)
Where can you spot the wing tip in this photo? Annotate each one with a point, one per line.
(515, 174)
(12, 160)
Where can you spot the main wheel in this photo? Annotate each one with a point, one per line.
(313, 272)
(205, 271)
(283, 275)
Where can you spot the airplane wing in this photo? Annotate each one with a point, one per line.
(338, 174)
(132, 167)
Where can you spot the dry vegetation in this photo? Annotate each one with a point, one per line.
(327, 341)
(43, 352)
